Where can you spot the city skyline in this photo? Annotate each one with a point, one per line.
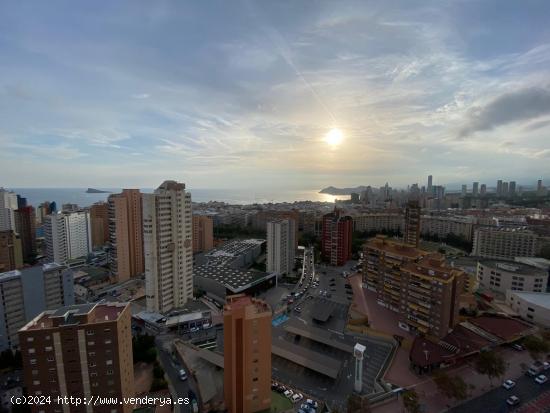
(266, 94)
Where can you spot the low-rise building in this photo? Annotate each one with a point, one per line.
(443, 226)
(533, 307)
(501, 276)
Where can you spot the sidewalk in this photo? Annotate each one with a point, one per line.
(434, 402)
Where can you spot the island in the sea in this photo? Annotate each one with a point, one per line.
(96, 191)
(330, 190)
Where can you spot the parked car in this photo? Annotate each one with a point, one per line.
(541, 379)
(508, 384)
(296, 397)
(545, 365)
(518, 347)
(312, 403)
(288, 393)
(512, 400)
(535, 368)
(182, 375)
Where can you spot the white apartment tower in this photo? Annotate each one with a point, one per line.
(67, 235)
(280, 246)
(8, 205)
(168, 247)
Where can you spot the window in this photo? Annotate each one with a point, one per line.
(32, 351)
(29, 339)
(49, 348)
(90, 333)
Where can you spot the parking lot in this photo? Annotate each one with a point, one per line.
(329, 293)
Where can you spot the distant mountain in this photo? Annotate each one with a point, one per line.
(342, 191)
(96, 191)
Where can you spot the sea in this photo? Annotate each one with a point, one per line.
(36, 196)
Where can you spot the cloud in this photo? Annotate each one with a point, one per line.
(520, 105)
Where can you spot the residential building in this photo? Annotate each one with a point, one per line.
(483, 190)
(502, 242)
(504, 189)
(443, 226)
(430, 186)
(27, 292)
(67, 235)
(475, 189)
(168, 247)
(99, 217)
(499, 187)
(512, 188)
(126, 234)
(501, 276)
(25, 224)
(8, 205)
(281, 246)
(412, 223)
(464, 190)
(531, 306)
(82, 351)
(417, 285)
(11, 253)
(379, 222)
(336, 237)
(203, 233)
(247, 354)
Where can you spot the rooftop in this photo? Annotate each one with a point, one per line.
(389, 246)
(243, 300)
(234, 280)
(76, 314)
(540, 299)
(513, 266)
(235, 248)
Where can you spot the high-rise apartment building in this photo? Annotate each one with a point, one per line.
(168, 247)
(281, 246)
(412, 223)
(499, 187)
(336, 237)
(512, 188)
(475, 189)
(67, 236)
(483, 190)
(82, 351)
(99, 221)
(430, 186)
(25, 223)
(504, 242)
(26, 293)
(247, 354)
(203, 233)
(415, 284)
(11, 252)
(126, 234)
(504, 189)
(464, 190)
(8, 205)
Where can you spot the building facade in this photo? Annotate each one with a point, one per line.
(417, 285)
(168, 247)
(8, 205)
(99, 217)
(532, 307)
(26, 293)
(11, 252)
(67, 236)
(378, 222)
(247, 354)
(336, 238)
(126, 234)
(203, 233)
(411, 235)
(443, 226)
(281, 246)
(25, 223)
(501, 242)
(501, 276)
(83, 351)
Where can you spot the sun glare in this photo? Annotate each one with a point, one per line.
(334, 137)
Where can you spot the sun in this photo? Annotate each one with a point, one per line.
(334, 137)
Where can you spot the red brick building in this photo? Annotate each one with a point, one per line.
(336, 235)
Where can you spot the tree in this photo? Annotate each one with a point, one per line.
(536, 346)
(490, 364)
(452, 387)
(411, 401)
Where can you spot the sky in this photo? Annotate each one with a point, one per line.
(241, 94)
